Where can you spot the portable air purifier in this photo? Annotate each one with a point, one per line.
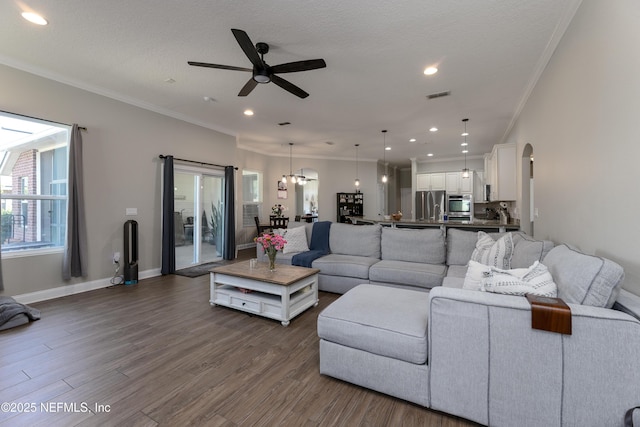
(130, 252)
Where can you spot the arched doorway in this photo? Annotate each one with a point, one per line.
(527, 216)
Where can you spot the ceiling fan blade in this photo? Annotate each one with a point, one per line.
(248, 87)
(222, 67)
(292, 67)
(288, 86)
(247, 46)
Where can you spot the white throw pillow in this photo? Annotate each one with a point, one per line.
(475, 273)
(296, 240)
(495, 253)
(533, 280)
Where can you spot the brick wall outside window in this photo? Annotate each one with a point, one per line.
(25, 167)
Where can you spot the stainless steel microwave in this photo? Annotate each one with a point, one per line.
(460, 206)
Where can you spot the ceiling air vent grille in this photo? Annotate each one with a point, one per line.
(439, 94)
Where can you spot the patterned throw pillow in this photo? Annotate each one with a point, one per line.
(477, 273)
(296, 240)
(533, 280)
(495, 253)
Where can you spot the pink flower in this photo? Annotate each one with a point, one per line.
(271, 242)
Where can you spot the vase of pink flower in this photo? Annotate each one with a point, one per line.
(271, 243)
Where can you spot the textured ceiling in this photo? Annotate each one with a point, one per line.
(489, 54)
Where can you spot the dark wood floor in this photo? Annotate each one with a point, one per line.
(157, 353)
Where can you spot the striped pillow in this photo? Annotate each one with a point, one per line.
(495, 253)
(533, 280)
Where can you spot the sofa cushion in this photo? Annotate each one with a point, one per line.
(527, 250)
(408, 273)
(345, 265)
(424, 246)
(380, 320)
(296, 240)
(496, 253)
(360, 240)
(584, 279)
(461, 244)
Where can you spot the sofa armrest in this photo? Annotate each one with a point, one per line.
(488, 365)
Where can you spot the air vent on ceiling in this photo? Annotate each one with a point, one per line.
(439, 94)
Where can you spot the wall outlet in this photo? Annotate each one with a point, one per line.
(116, 257)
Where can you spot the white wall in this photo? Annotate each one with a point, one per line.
(582, 121)
(122, 169)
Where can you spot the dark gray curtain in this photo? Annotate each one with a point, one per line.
(168, 224)
(74, 263)
(229, 235)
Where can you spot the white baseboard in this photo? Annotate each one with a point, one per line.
(76, 288)
(246, 246)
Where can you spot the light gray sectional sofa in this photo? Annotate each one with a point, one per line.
(417, 259)
(474, 354)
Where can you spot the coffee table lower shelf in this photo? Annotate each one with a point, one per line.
(274, 301)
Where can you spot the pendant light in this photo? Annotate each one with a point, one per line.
(465, 171)
(292, 177)
(384, 155)
(302, 180)
(357, 183)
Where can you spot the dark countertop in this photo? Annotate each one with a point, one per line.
(475, 224)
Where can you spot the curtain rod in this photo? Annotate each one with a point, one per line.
(44, 120)
(162, 156)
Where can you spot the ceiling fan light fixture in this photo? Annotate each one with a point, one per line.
(262, 76)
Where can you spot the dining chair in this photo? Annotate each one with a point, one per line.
(279, 222)
(261, 227)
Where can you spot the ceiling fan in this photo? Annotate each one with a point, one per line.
(263, 72)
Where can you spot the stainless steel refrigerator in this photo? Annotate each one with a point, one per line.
(429, 204)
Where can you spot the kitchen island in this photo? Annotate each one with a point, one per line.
(475, 225)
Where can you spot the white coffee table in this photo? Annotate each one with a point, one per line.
(281, 294)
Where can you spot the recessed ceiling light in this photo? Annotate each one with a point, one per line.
(429, 154)
(429, 71)
(387, 148)
(464, 134)
(464, 144)
(412, 140)
(465, 151)
(34, 18)
(248, 112)
(433, 129)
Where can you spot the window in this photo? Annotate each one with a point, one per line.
(33, 180)
(251, 197)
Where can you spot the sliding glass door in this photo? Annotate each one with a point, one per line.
(199, 219)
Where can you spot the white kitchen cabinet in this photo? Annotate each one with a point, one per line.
(430, 181)
(456, 184)
(466, 184)
(437, 181)
(452, 182)
(500, 170)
